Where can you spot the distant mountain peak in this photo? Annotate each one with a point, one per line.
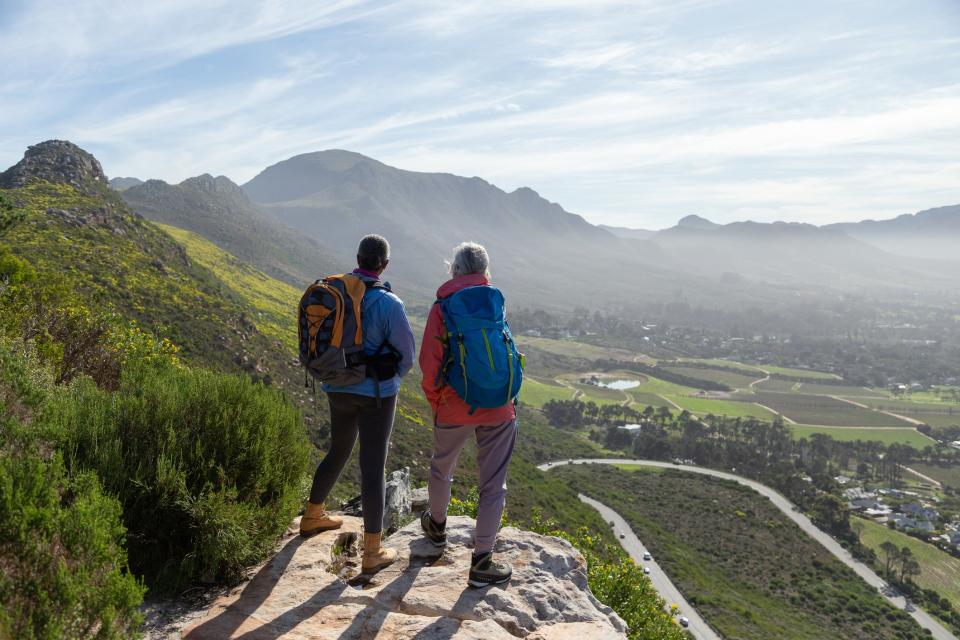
(332, 159)
(58, 161)
(208, 183)
(119, 184)
(694, 221)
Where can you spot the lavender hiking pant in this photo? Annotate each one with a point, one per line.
(494, 450)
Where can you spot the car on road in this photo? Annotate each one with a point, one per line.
(647, 556)
(646, 570)
(684, 621)
(622, 536)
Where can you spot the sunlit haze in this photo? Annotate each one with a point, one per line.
(629, 113)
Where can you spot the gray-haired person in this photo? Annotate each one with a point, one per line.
(456, 421)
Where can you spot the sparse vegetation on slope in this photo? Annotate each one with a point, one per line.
(746, 568)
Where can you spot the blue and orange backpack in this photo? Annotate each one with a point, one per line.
(481, 361)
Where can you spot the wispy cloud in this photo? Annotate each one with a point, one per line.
(632, 112)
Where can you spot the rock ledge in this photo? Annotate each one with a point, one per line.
(310, 589)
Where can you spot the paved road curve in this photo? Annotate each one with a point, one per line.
(922, 617)
(661, 582)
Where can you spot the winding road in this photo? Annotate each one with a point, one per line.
(922, 617)
(698, 628)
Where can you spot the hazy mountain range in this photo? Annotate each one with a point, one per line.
(302, 217)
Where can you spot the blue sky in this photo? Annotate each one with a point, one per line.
(630, 113)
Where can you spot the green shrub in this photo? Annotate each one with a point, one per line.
(24, 384)
(9, 214)
(209, 467)
(61, 549)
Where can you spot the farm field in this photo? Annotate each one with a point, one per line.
(801, 373)
(645, 399)
(939, 571)
(935, 414)
(599, 395)
(661, 387)
(944, 474)
(884, 435)
(751, 572)
(946, 395)
(746, 369)
(732, 380)
(777, 385)
(840, 390)
(823, 410)
(537, 394)
(733, 408)
(574, 349)
(807, 404)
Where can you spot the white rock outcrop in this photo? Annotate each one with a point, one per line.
(310, 590)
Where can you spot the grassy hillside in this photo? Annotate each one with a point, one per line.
(115, 260)
(747, 569)
(938, 570)
(274, 302)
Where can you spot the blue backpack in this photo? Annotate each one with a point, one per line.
(480, 361)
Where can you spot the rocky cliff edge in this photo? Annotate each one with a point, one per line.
(311, 589)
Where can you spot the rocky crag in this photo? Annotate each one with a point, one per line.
(311, 589)
(57, 161)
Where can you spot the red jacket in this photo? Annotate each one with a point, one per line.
(448, 408)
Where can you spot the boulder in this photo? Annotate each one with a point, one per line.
(311, 590)
(398, 499)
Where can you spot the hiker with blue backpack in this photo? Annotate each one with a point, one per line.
(471, 376)
(356, 340)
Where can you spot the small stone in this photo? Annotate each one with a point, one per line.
(420, 500)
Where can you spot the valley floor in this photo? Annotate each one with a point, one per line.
(828, 543)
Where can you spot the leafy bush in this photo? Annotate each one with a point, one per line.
(71, 338)
(61, 549)
(209, 467)
(9, 214)
(24, 384)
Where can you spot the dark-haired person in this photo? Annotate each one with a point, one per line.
(455, 421)
(367, 409)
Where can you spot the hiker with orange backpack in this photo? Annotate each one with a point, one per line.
(471, 376)
(355, 339)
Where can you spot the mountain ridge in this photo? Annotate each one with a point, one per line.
(219, 209)
(302, 217)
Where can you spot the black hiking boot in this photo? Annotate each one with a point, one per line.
(485, 572)
(436, 533)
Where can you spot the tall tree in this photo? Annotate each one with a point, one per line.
(891, 554)
(905, 559)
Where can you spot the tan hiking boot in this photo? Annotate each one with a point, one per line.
(375, 557)
(316, 519)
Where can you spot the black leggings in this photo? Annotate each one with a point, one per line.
(349, 414)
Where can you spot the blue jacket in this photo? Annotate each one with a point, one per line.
(384, 319)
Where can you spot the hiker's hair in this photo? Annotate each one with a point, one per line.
(469, 258)
(373, 252)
